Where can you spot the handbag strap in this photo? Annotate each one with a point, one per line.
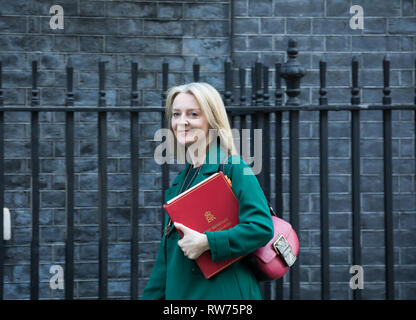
(221, 168)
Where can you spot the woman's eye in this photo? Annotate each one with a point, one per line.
(194, 114)
(175, 114)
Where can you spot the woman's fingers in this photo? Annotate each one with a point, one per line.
(181, 227)
(181, 245)
(193, 243)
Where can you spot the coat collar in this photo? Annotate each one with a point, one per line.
(212, 162)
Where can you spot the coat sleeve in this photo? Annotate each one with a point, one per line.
(256, 226)
(155, 288)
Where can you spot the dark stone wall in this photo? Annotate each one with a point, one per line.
(180, 31)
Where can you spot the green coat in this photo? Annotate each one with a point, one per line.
(175, 277)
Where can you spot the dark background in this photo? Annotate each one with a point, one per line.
(180, 31)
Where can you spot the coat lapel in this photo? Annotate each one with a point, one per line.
(174, 190)
(176, 184)
(214, 155)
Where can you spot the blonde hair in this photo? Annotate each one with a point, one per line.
(212, 107)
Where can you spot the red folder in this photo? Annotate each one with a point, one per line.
(211, 205)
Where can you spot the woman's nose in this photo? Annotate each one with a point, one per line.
(184, 120)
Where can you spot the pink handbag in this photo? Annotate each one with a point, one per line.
(273, 260)
(279, 254)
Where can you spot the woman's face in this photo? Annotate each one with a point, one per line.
(188, 119)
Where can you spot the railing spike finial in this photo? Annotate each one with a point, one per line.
(69, 83)
(278, 83)
(101, 80)
(242, 77)
(355, 90)
(266, 95)
(386, 80)
(196, 67)
(228, 92)
(292, 72)
(292, 49)
(35, 90)
(134, 92)
(323, 99)
(258, 69)
(253, 85)
(165, 76)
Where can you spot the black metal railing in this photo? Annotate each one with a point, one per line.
(242, 116)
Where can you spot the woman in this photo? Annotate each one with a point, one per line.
(194, 111)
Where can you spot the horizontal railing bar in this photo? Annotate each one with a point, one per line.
(234, 109)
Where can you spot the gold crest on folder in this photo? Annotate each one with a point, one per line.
(209, 216)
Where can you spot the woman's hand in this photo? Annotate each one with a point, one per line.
(193, 243)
